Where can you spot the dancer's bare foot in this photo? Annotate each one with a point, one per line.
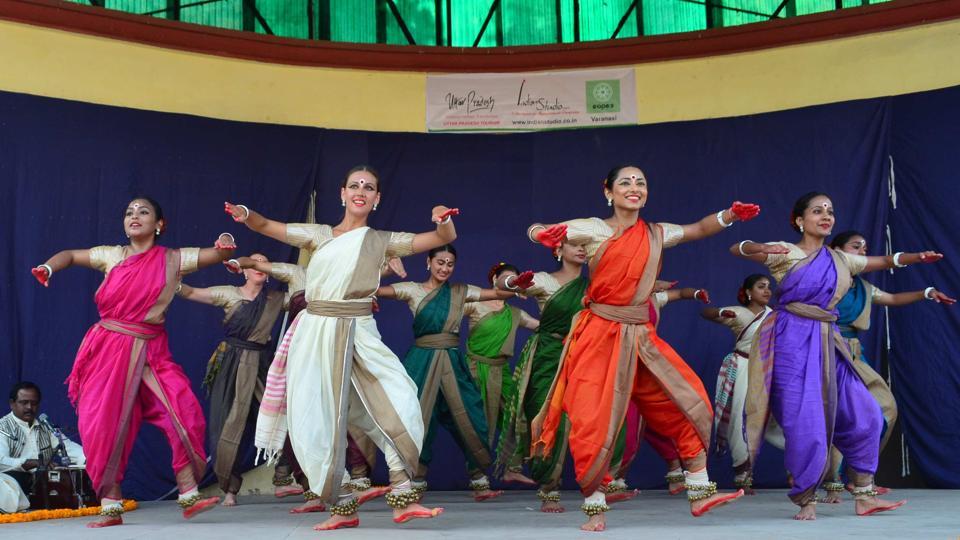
(833, 497)
(808, 512)
(701, 507)
(314, 505)
(621, 496)
(675, 488)
(486, 494)
(287, 491)
(552, 507)
(415, 511)
(879, 489)
(200, 506)
(596, 523)
(371, 493)
(517, 477)
(230, 499)
(873, 505)
(338, 522)
(105, 521)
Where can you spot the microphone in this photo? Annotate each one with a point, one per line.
(45, 420)
(61, 450)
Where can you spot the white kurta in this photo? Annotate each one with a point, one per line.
(314, 417)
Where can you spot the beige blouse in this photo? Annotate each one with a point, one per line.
(294, 275)
(780, 264)
(104, 258)
(478, 310)
(544, 286)
(229, 297)
(740, 322)
(593, 232)
(413, 293)
(311, 236)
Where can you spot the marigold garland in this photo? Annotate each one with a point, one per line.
(129, 505)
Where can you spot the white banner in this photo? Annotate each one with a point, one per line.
(531, 101)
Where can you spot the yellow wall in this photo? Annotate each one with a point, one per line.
(60, 64)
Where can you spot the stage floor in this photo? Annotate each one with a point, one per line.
(653, 514)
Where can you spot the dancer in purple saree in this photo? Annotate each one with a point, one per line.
(801, 368)
(124, 374)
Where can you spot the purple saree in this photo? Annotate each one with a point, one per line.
(801, 372)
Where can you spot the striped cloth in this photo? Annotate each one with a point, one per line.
(271, 429)
(724, 401)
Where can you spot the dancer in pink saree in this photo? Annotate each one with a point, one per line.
(124, 374)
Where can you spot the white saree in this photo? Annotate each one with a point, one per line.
(338, 371)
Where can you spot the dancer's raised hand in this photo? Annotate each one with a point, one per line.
(744, 211)
(552, 236)
(238, 212)
(440, 214)
(42, 273)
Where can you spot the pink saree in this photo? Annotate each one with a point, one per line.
(124, 374)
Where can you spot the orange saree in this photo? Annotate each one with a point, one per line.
(600, 374)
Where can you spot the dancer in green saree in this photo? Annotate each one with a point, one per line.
(559, 295)
(448, 394)
(492, 341)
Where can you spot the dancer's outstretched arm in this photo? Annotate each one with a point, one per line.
(714, 223)
(222, 250)
(201, 295)
(61, 261)
(444, 234)
(257, 222)
(906, 298)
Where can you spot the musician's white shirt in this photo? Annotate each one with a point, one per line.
(31, 448)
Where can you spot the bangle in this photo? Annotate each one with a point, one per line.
(720, 220)
(232, 239)
(896, 259)
(530, 232)
(445, 221)
(928, 293)
(47, 266)
(696, 292)
(740, 248)
(245, 210)
(506, 283)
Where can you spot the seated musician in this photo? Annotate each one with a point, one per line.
(26, 443)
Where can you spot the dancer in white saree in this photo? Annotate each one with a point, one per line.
(338, 371)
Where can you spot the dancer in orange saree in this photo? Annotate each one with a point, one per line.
(613, 355)
(124, 374)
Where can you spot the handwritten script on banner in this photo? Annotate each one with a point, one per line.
(531, 101)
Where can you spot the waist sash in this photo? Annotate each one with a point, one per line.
(496, 362)
(639, 314)
(809, 311)
(340, 310)
(244, 344)
(443, 340)
(134, 329)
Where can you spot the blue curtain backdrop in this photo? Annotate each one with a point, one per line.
(68, 169)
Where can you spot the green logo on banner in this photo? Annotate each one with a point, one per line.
(603, 96)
